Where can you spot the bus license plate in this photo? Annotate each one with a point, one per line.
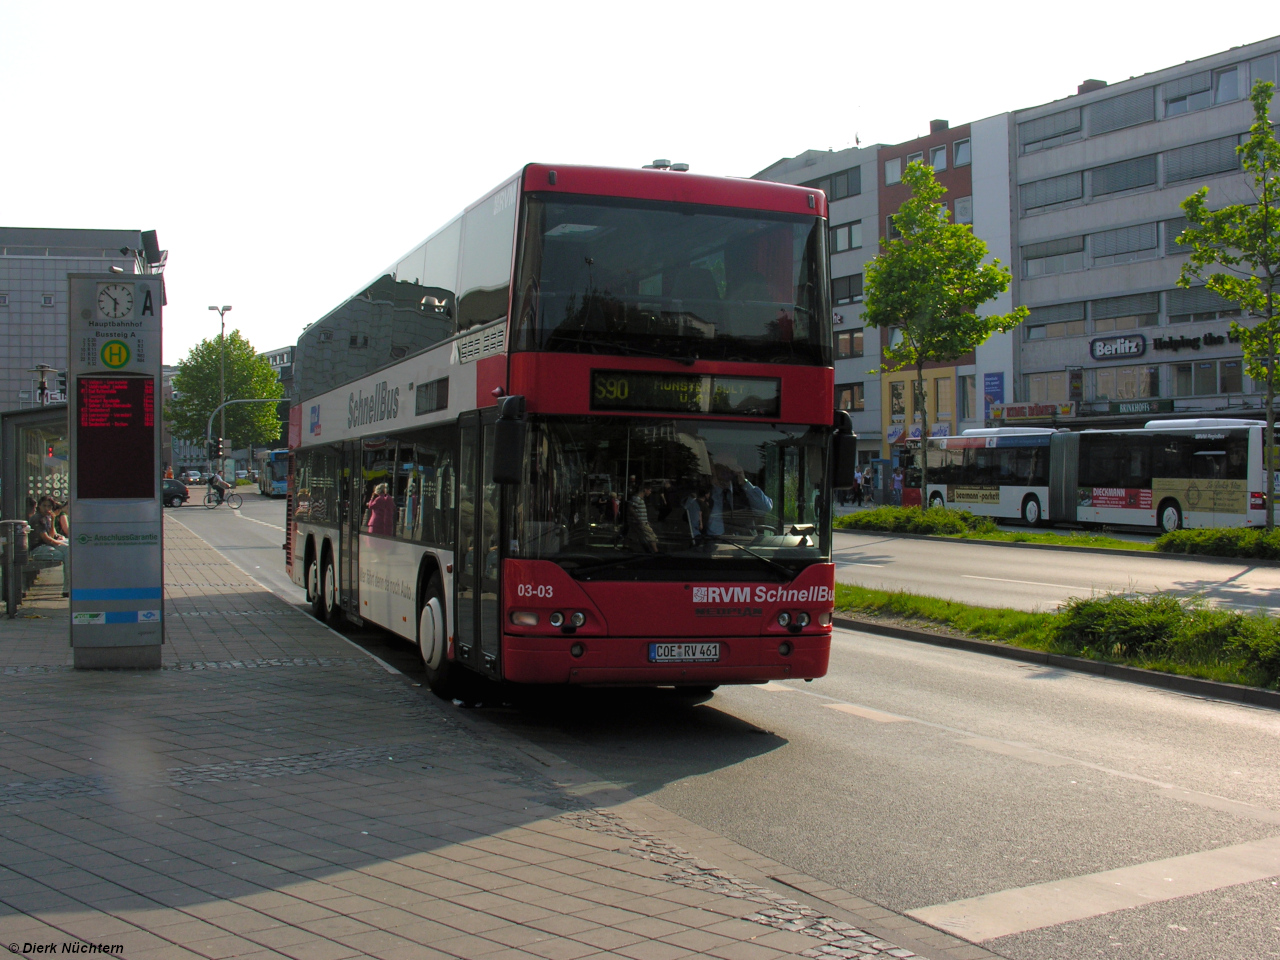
(684, 652)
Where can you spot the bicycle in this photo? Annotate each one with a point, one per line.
(233, 500)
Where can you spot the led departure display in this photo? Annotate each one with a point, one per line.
(115, 425)
(685, 393)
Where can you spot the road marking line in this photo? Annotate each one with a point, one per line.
(774, 687)
(263, 522)
(1034, 583)
(867, 713)
(1017, 750)
(1077, 898)
(1212, 801)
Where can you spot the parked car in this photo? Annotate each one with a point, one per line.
(175, 492)
(190, 476)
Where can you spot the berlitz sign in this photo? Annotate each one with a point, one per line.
(1108, 348)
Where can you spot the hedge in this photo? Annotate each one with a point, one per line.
(935, 520)
(1248, 543)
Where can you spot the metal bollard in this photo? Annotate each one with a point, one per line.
(15, 563)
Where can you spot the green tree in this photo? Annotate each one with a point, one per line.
(1244, 240)
(249, 377)
(927, 287)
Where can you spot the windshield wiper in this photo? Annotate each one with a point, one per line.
(786, 571)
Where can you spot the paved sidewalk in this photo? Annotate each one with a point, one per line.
(275, 792)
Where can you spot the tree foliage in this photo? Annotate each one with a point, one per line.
(930, 284)
(1243, 239)
(248, 377)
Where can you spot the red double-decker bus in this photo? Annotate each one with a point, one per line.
(584, 433)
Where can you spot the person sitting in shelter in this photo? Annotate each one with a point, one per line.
(50, 544)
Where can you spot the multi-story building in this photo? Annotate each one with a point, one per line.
(281, 361)
(972, 162)
(34, 264)
(850, 181)
(1099, 178)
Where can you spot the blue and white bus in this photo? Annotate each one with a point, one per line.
(273, 472)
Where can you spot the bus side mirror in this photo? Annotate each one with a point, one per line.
(844, 451)
(508, 441)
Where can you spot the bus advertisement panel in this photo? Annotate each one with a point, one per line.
(603, 449)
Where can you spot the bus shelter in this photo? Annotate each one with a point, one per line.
(35, 458)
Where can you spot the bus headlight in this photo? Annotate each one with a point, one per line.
(524, 618)
(556, 619)
(578, 619)
(784, 619)
(802, 619)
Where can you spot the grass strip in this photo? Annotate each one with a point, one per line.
(1159, 632)
(963, 525)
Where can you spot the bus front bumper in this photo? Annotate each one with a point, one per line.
(626, 660)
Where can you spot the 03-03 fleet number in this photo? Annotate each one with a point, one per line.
(530, 590)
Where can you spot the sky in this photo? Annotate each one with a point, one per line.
(286, 152)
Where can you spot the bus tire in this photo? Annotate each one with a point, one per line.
(1169, 516)
(442, 673)
(937, 500)
(314, 593)
(1032, 513)
(329, 591)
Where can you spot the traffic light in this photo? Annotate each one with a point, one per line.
(217, 447)
(62, 382)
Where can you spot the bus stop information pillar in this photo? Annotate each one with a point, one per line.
(116, 561)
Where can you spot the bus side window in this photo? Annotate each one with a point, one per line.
(406, 491)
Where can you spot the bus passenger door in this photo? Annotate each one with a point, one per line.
(488, 626)
(477, 631)
(352, 510)
(464, 577)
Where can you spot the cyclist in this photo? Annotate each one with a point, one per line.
(216, 483)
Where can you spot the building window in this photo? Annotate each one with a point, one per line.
(1053, 257)
(893, 171)
(898, 399)
(1050, 191)
(849, 344)
(915, 158)
(1226, 85)
(846, 183)
(846, 236)
(1198, 379)
(938, 158)
(1232, 376)
(967, 387)
(1125, 313)
(850, 396)
(964, 210)
(1187, 94)
(1202, 159)
(4, 299)
(1122, 176)
(46, 300)
(1126, 383)
(1046, 387)
(1052, 331)
(1126, 244)
(943, 396)
(846, 289)
(891, 229)
(1046, 132)
(1196, 304)
(962, 152)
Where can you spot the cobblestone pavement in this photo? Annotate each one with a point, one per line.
(274, 792)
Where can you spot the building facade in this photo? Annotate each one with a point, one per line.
(1099, 176)
(34, 264)
(850, 181)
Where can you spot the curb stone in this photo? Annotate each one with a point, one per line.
(1211, 689)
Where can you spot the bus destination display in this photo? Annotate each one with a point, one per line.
(115, 436)
(685, 393)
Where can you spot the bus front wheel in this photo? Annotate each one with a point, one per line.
(432, 640)
(1170, 516)
(1031, 513)
(937, 501)
(329, 591)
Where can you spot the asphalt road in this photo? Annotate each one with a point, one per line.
(940, 783)
(997, 575)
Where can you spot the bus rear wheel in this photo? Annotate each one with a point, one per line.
(314, 592)
(1170, 516)
(1032, 515)
(936, 500)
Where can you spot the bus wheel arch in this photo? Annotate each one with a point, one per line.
(936, 499)
(1032, 510)
(1169, 516)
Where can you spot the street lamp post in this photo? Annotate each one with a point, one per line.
(222, 373)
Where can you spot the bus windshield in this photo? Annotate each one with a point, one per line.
(665, 499)
(279, 467)
(618, 276)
